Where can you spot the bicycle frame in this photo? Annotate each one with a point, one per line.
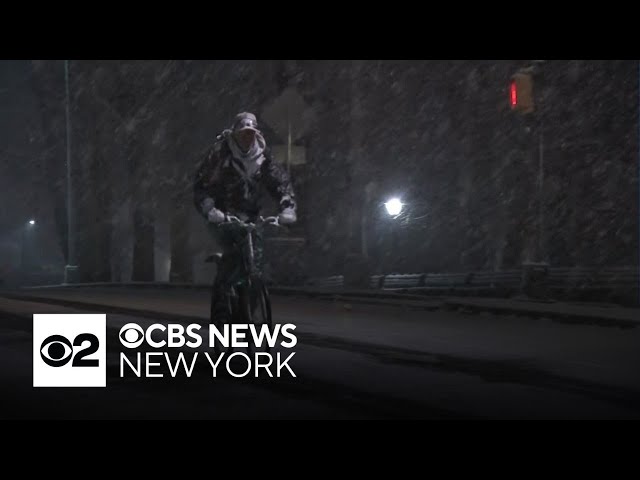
(243, 277)
(246, 270)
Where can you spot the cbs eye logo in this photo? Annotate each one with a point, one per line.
(57, 350)
(131, 335)
(69, 350)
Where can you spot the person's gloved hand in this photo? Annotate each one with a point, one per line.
(213, 214)
(216, 216)
(287, 216)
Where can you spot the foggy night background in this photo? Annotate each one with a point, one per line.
(438, 134)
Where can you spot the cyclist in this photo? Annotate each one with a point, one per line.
(230, 180)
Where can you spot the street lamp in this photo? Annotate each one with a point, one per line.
(71, 268)
(27, 244)
(394, 206)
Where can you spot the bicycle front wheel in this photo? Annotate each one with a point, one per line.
(256, 307)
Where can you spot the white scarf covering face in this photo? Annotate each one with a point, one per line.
(254, 154)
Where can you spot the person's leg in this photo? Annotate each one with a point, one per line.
(258, 250)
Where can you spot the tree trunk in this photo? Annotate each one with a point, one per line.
(181, 259)
(143, 246)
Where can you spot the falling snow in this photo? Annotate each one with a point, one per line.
(439, 136)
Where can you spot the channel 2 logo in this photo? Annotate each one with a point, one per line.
(69, 350)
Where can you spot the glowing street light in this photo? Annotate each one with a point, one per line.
(32, 222)
(394, 206)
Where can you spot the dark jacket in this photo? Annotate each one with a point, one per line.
(235, 190)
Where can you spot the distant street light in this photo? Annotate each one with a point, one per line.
(394, 206)
(28, 239)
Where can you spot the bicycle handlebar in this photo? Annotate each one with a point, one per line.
(233, 219)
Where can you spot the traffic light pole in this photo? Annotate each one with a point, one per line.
(522, 95)
(534, 281)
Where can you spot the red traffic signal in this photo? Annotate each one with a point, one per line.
(513, 93)
(521, 93)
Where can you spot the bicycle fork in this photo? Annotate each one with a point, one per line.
(248, 258)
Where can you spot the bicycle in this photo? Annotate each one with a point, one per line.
(246, 290)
